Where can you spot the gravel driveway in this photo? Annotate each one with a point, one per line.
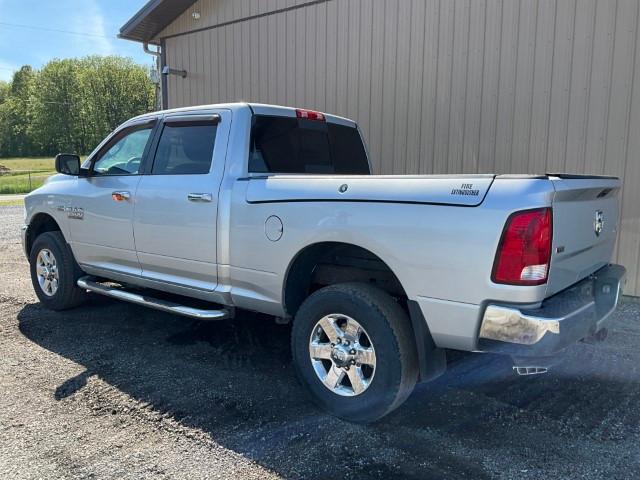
(116, 391)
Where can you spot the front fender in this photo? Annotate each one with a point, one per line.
(52, 199)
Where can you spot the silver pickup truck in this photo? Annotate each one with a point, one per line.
(199, 211)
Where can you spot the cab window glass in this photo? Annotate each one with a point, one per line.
(185, 149)
(297, 145)
(124, 155)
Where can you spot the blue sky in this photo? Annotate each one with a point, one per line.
(97, 20)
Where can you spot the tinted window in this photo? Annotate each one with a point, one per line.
(292, 145)
(124, 153)
(184, 150)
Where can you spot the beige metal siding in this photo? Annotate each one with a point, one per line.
(214, 12)
(447, 86)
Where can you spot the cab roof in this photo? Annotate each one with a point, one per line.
(256, 108)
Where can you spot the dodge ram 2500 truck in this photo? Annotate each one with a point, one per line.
(199, 211)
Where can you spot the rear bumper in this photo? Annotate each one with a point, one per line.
(571, 315)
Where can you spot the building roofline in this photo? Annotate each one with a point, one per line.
(152, 18)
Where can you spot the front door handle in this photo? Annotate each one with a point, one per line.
(200, 197)
(120, 196)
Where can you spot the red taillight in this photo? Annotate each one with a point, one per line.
(309, 115)
(525, 249)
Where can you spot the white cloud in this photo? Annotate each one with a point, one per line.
(7, 69)
(35, 46)
(91, 19)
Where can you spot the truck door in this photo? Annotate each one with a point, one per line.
(177, 200)
(101, 206)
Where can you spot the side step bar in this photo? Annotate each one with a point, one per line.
(90, 284)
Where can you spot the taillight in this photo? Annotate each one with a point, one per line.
(309, 115)
(525, 249)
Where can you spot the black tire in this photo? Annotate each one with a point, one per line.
(68, 294)
(390, 332)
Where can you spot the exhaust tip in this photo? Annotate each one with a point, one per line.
(529, 370)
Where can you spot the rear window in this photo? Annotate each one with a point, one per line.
(297, 145)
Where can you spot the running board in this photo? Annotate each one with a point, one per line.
(90, 284)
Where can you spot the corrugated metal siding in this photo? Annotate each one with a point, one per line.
(449, 86)
(214, 12)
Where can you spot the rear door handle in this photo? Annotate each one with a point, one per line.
(200, 197)
(120, 196)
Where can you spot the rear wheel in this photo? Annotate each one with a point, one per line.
(54, 272)
(353, 350)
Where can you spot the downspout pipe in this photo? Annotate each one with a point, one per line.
(158, 53)
(155, 53)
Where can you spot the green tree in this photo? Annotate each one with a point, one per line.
(5, 88)
(71, 104)
(114, 89)
(15, 113)
(56, 106)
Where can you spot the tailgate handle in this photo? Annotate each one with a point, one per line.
(200, 197)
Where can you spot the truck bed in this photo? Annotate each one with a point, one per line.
(578, 250)
(460, 190)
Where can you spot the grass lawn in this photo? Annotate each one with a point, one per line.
(29, 163)
(21, 175)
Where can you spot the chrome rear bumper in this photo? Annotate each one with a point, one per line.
(571, 315)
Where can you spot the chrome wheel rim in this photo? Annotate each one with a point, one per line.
(47, 272)
(342, 355)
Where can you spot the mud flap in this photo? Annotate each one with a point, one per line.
(432, 361)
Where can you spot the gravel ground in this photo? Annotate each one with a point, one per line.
(116, 391)
(11, 198)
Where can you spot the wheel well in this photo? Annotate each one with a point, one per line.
(40, 224)
(328, 263)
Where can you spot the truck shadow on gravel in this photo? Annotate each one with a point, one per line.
(233, 381)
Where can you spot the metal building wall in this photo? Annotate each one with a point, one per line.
(439, 86)
(215, 12)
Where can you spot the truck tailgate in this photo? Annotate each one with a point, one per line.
(585, 225)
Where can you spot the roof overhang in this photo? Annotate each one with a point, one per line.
(152, 19)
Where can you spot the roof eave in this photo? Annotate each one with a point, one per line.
(133, 38)
(152, 18)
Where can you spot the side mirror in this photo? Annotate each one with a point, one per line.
(68, 164)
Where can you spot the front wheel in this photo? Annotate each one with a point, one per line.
(353, 350)
(54, 272)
